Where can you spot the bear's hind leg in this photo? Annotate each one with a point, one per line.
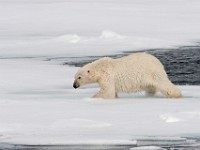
(169, 90)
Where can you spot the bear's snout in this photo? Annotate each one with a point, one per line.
(75, 85)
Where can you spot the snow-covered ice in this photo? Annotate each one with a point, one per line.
(88, 27)
(38, 104)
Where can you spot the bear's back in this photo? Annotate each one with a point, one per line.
(131, 71)
(139, 61)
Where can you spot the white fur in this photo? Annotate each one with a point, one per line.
(133, 73)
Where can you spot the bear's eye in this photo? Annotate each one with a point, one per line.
(79, 77)
(88, 71)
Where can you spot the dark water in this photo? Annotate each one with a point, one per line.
(182, 64)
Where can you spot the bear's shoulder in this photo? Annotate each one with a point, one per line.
(104, 64)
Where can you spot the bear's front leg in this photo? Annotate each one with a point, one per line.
(105, 94)
(107, 91)
(107, 88)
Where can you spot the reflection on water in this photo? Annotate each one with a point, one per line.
(175, 143)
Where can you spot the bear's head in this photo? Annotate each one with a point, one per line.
(91, 73)
(85, 75)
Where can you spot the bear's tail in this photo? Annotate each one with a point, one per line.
(170, 90)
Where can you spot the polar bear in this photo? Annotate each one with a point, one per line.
(134, 73)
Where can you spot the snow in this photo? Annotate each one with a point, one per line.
(38, 104)
(88, 27)
(169, 119)
(147, 148)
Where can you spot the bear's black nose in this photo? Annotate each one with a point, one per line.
(75, 85)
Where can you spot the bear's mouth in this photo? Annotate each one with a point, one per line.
(76, 85)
